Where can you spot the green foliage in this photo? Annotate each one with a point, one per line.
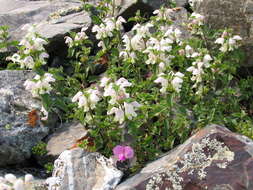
(49, 167)
(158, 87)
(40, 149)
(5, 44)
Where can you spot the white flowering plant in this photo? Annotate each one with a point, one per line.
(158, 87)
(31, 51)
(5, 44)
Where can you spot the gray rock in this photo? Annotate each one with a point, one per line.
(16, 136)
(54, 19)
(214, 158)
(62, 139)
(78, 170)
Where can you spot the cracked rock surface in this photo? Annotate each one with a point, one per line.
(213, 159)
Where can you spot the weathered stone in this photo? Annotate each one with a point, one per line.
(214, 159)
(62, 139)
(17, 137)
(236, 14)
(54, 19)
(78, 170)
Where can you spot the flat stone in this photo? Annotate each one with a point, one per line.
(64, 138)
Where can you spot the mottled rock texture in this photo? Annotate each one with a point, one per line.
(79, 170)
(55, 17)
(62, 139)
(17, 137)
(236, 14)
(213, 159)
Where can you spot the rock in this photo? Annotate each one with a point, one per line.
(214, 158)
(17, 137)
(78, 170)
(54, 19)
(62, 139)
(236, 14)
(129, 7)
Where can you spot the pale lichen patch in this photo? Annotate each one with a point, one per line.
(201, 156)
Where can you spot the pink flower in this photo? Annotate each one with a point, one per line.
(123, 152)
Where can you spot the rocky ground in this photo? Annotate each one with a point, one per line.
(214, 158)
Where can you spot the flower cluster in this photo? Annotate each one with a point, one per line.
(79, 37)
(201, 61)
(197, 20)
(11, 182)
(116, 91)
(87, 100)
(31, 52)
(40, 84)
(106, 29)
(176, 81)
(228, 42)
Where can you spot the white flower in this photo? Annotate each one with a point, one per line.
(19, 185)
(38, 43)
(48, 77)
(88, 100)
(104, 81)
(10, 178)
(142, 30)
(119, 22)
(5, 187)
(188, 51)
(45, 113)
(207, 58)
(219, 41)
(109, 90)
(174, 34)
(80, 35)
(119, 114)
(130, 109)
(15, 58)
(69, 41)
(77, 96)
(28, 62)
(237, 38)
(177, 81)
(28, 178)
(93, 97)
(122, 83)
(197, 18)
(41, 85)
(137, 42)
(163, 81)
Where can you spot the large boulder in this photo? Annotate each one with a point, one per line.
(213, 159)
(78, 170)
(54, 18)
(236, 14)
(17, 137)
